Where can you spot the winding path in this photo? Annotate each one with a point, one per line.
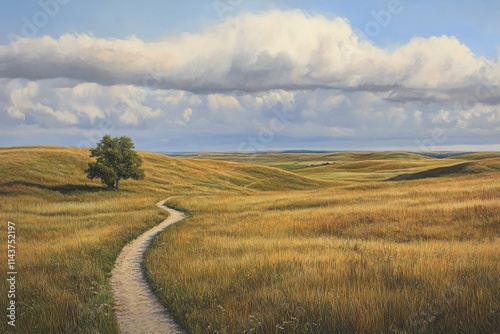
(136, 307)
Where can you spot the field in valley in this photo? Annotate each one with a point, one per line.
(346, 166)
(316, 243)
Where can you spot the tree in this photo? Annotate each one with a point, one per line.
(116, 160)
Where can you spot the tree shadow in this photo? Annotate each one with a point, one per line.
(73, 188)
(63, 189)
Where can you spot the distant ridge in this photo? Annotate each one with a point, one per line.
(436, 154)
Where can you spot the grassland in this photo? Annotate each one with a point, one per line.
(418, 257)
(70, 230)
(346, 166)
(263, 250)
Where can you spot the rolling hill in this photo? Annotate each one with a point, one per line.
(261, 247)
(70, 229)
(481, 165)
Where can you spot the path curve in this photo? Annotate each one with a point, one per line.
(136, 307)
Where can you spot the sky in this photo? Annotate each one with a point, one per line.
(241, 75)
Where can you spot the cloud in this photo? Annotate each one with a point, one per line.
(174, 98)
(47, 104)
(51, 104)
(186, 115)
(219, 102)
(251, 53)
(239, 76)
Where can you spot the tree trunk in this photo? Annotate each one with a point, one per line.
(117, 184)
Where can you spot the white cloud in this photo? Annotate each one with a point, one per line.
(194, 100)
(238, 74)
(250, 52)
(47, 104)
(175, 97)
(443, 116)
(219, 102)
(186, 115)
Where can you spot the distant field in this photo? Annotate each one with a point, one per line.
(321, 249)
(348, 166)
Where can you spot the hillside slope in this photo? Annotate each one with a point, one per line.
(70, 229)
(478, 156)
(342, 167)
(61, 169)
(465, 168)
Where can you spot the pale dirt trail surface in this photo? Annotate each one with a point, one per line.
(136, 307)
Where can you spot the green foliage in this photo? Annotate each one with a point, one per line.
(116, 160)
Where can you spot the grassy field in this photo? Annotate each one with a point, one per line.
(264, 250)
(416, 257)
(345, 166)
(70, 230)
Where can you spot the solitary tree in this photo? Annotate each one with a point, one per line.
(116, 160)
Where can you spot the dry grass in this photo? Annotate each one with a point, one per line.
(418, 257)
(70, 230)
(346, 166)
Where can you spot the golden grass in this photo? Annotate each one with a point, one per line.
(316, 256)
(68, 235)
(70, 230)
(346, 166)
(419, 257)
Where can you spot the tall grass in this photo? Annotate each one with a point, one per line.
(419, 257)
(70, 230)
(68, 235)
(314, 257)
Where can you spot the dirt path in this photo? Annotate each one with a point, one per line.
(137, 309)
